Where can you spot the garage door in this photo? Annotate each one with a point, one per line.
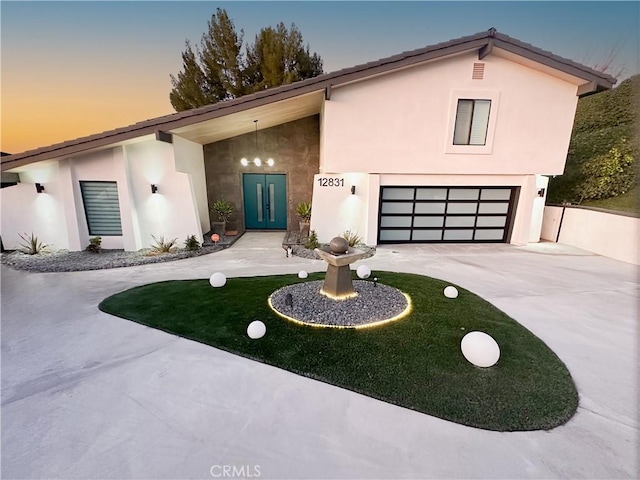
(445, 214)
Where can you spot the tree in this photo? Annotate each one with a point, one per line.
(220, 70)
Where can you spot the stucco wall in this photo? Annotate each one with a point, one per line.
(189, 159)
(608, 234)
(295, 148)
(402, 122)
(24, 211)
(336, 210)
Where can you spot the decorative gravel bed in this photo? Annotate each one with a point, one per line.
(301, 251)
(372, 305)
(66, 261)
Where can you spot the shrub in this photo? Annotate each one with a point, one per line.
(352, 237)
(312, 241)
(223, 210)
(303, 210)
(95, 245)
(31, 245)
(608, 175)
(162, 246)
(192, 243)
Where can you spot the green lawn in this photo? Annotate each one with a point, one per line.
(415, 362)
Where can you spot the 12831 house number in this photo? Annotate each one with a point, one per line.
(331, 182)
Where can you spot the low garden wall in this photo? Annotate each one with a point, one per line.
(612, 234)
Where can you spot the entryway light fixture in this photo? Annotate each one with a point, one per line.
(154, 188)
(39, 188)
(257, 161)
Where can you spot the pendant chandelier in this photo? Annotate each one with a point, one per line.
(257, 161)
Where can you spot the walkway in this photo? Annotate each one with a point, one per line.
(88, 395)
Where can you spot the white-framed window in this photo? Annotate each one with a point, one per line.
(472, 121)
(101, 207)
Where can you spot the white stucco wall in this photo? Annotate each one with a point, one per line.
(608, 234)
(189, 159)
(24, 211)
(171, 212)
(402, 122)
(335, 209)
(537, 211)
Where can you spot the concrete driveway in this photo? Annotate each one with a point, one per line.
(88, 395)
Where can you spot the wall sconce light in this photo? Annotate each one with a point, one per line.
(39, 188)
(541, 192)
(353, 189)
(244, 162)
(271, 162)
(154, 188)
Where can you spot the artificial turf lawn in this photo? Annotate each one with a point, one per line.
(414, 362)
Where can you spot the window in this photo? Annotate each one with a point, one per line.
(472, 122)
(101, 208)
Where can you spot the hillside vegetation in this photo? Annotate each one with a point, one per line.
(602, 158)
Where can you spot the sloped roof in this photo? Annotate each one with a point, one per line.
(484, 42)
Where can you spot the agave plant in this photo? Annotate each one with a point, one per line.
(31, 245)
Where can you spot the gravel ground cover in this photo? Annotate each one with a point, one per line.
(374, 303)
(66, 261)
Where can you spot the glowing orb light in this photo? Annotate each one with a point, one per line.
(302, 274)
(215, 238)
(256, 329)
(450, 292)
(363, 271)
(217, 280)
(480, 349)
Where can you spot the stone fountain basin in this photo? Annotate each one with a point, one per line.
(341, 259)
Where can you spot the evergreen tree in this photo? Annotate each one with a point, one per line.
(220, 70)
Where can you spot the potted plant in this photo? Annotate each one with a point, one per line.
(303, 210)
(223, 210)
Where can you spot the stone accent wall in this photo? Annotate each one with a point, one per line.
(295, 147)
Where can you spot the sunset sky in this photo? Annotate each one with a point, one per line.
(70, 69)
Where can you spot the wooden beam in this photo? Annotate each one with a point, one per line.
(586, 88)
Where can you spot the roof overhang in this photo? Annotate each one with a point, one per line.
(297, 100)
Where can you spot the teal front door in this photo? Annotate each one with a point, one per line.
(265, 201)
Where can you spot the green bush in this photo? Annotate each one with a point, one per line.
(312, 241)
(191, 243)
(223, 210)
(608, 175)
(602, 121)
(95, 245)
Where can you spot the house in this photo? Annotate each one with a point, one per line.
(449, 143)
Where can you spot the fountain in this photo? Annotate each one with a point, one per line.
(337, 281)
(338, 301)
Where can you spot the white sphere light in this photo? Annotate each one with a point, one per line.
(217, 280)
(271, 162)
(256, 329)
(363, 271)
(257, 162)
(480, 349)
(302, 274)
(451, 292)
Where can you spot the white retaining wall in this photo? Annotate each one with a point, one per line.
(611, 235)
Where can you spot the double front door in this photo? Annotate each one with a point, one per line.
(265, 201)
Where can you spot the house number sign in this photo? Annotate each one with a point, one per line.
(331, 182)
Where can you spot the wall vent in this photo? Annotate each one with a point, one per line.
(478, 71)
